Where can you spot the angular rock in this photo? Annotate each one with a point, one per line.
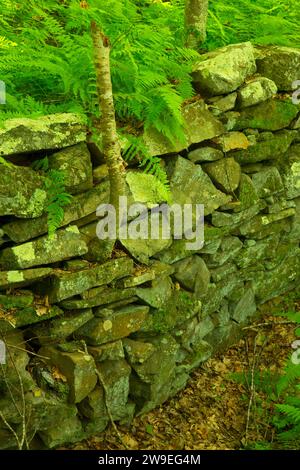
(105, 295)
(80, 206)
(58, 329)
(123, 322)
(280, 64)
(94, 407)
(254, 92)
(267, 182)
(75, 163)
(22, 191)
(224, 70)
(200, 125)
(137, 351)
(65, 244)
(22, 278)
(189, 184)
(48, 132)
(232, 140)
(229, 248)
(221, 219)
(259, 221)
(245, 308)
(107, 352)
(77, 367)
(225, 174)
(246, 193)
(115, 375)
(30, 315)
(219, 105)
(21, 299)
(63, 285)
(159, 292)
(290, 171)
(69, 431)
(193, 274)
(205, 154)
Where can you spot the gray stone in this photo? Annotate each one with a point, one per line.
(254, 92)
(189, 184)
(22, 192)
(205, 154)
(219, 105)
(47, 132)
(63, 245)
(280, 64)
(193, 274)
(80, 206)
(77, 367)
(121, 324)
(267, 182)
(63, 285)
(225, 174)
(245, 308)
(224, 70)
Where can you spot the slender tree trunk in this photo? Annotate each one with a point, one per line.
(111, 145)
(196, 12)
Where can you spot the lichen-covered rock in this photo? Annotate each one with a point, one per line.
(246, 193)
(258, 222)
(60, 328)
(64, 244)
(280, 64)
(22, 192)
(115, 375)
(267, 182)
(200, 125)
(77, 367)
(221, 104)
(80, 206)
(121, 323)
(221, 219)
(290, 170)
(254, 92)
(244, 308)
(270, 115)
(231, 141)
(224, 70)
(189, 184)
(75, 163)
(9, 279)
(271, 148)
(151, 384)
(107, 352)
(68, 431)
(193, 274)
(137, 351)
(104, 295)
(225, 174)
(63, 285)
(205, 154)
(47, 132)
(30, 315)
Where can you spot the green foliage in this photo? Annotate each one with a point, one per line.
(58, 198)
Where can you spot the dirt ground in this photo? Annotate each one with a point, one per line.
(213, 411)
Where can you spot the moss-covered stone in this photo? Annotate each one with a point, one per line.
(225, 174)
(280, 64)
(22, 277)
(205, 154)
(254, 92)
(137, 351)
(64, 244)
(193, 274)
(270, 115)
(267, 182)
(224, 70)
(77, 367)
(47, 132)
(121, 323)
(80, 206)
(107, 352)
(22, 190)
(63, 285)
(270, 149)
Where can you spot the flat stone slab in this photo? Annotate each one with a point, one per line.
(65, 244)
(63, 285)
(105, 295)
(121, 324)
(45, 133)
(80, 206)
(22, 278)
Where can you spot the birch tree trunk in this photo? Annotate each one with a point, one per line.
(196, 12)
(111, 145)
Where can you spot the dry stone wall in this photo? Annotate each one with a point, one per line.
(88, 326)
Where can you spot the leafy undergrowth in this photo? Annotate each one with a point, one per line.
(213, 411)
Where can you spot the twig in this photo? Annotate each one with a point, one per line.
(258, 325)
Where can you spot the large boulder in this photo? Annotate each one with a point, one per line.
(224, 70)
(47, 132)
(280, 64)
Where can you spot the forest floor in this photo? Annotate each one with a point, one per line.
(213, 411)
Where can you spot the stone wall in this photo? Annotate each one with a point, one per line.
(88, 325)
